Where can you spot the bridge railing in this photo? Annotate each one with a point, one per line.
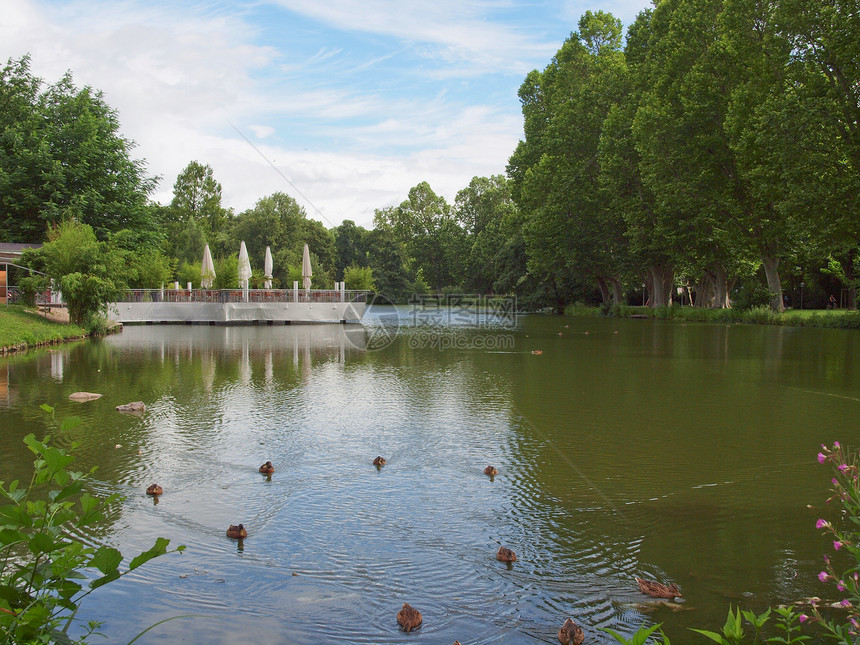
(243, 295)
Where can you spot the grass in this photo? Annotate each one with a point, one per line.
(841, 319)
(21, 328)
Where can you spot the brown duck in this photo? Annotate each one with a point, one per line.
(408, 617)
(379, 461)
(237, 531)
(155, 490)
(570, 633)
(491, 471)
(505, 555)
(657, 590)
(267, 468)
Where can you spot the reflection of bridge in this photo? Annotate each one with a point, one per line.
(238, 306)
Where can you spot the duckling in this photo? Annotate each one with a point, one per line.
(657, 590)
(379, 461)
(505, 555)
(237, 531)
(408, 617)
(491, 471)
(570, 633)
(154, 489)
(267, 468)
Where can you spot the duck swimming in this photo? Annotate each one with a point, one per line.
(505, 555)
(154, 489)
(570, 633)
(267, 468)
(491, 471)
(657, 590)
(237, 531)
(379, 461)
(408, 617)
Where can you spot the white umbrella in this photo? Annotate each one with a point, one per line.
(244, 266)
(207, 269)
(268, 268)
(306, 268)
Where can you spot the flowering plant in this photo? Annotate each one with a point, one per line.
(846, 539)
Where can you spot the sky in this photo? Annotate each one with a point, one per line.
(342, 104)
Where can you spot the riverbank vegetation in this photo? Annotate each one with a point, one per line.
(22, 328)
(710, 157)
(761, 315)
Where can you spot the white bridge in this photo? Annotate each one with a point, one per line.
(238, 306)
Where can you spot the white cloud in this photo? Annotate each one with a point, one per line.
(348, 140)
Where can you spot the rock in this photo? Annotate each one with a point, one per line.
(84, 396)
(134, 406)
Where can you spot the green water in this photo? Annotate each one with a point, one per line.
(675, 452)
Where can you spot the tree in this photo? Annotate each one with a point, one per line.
(88, 272)
(434, 241)
(195, 216)
(571, 236)
(350, 244)
(482, 209)
(61, 155)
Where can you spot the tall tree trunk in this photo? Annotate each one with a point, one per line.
(771, 264)
(617, 292)
(604, 290)
(721, 289)
(661, 289)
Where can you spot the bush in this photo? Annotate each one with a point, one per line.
(751, 295)
(41, 557)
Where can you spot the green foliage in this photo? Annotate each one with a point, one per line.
(61, 155)
(88, 272)
(640, 636)
(41, 561)
(359, 278)
(750, 295)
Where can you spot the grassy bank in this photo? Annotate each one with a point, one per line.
(21, 328)
(842, 319)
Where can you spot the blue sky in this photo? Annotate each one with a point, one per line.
(343, 104)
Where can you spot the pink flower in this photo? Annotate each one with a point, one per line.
(821, 523)
(840, 586)
(821, 457)
(823, 576)
(842, 468)
(834, 482)
(845, 602)
(803, 618)
(835, 444)
(837, 544)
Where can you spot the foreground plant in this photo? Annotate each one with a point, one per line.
(41, 557)
(846, 539)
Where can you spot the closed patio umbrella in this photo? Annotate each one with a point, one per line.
(207, 269)
(244, 266)
(268, 268)
(306, 268)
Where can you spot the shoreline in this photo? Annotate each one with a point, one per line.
(27, 328)
(833, 319)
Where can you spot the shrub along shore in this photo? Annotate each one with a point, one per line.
(24, 328)
(840, 318)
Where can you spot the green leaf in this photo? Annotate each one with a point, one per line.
(159, 548)
(717, 638)
(47, 408)
(41, 543)
(106, 559)
(70, 422)
(98, 582)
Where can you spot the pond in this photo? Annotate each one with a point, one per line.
(624, 448)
